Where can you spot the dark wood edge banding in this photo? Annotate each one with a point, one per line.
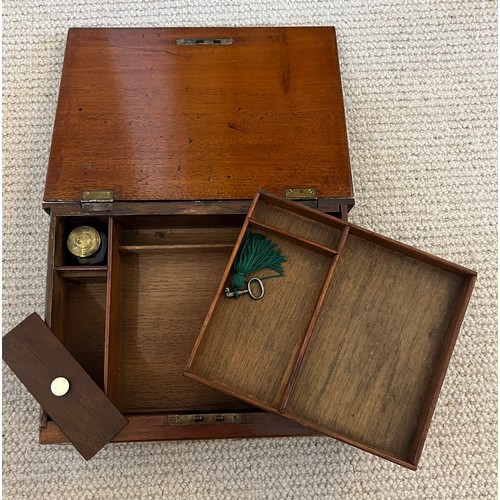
(155, 427)
(336, 64)
(437, 380)
(187, 207)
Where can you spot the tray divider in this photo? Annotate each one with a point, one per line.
(303, 242)
(289, 385)
(95, 274)
(82, 269)
(113, 296)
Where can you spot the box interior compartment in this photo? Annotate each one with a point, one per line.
(353, 341)
(132, 324)
(163, 271)
(296, 225)
(63, 258)
(133, 328)
(371, 356)
(81, 324)
(79, 311)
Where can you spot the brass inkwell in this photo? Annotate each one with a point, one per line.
(87, 245)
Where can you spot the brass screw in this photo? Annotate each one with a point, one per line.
(289, 191)
(86, 193)
(310, 191)
(236, 418)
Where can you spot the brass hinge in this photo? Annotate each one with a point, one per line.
(97, 201)
(306, 196)
(205, 418)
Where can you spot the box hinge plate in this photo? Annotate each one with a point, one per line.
(307, 196)
(97, 201)
(205, 418)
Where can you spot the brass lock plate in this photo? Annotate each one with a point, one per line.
(205, 418)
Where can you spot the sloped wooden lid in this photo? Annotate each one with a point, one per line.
(150, 119)
(353, 341)
(85, 415)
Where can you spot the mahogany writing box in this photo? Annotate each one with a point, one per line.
(354, 340)
(161, 139)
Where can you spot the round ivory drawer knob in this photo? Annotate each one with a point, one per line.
(59, 386)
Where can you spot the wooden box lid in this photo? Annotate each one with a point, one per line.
(81, 410)
(199, 114)
(353, 341)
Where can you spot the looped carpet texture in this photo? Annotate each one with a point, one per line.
(419, 81)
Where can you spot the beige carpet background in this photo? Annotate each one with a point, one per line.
(419, 81)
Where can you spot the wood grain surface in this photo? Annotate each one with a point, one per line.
(78, 320)
(152, 120)
(84, 414)
(289, 385)
(170, 236)
(165, 294)
(85, 327)
(375, 347)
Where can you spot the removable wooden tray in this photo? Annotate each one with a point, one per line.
(354, 341)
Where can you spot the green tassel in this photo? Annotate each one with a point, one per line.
(256, 253)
